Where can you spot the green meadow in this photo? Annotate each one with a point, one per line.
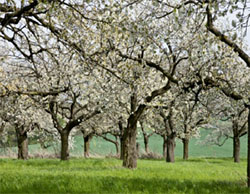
(210, 169)
(201, 176)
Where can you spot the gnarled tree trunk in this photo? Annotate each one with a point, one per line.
(236, 149)
(248, 149)
(185, 142)
(170, 148)
(64, 145)
(22, 143)
(129, 145)
(87, 139)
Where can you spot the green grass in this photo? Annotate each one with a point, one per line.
(107, 176)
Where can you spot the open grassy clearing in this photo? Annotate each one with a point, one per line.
(107, 176)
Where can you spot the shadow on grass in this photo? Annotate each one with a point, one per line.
(198, 160)
(75, 165)
(211, 160)
(115, 184)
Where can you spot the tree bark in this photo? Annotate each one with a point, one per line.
(146, 143)
(121, 148)
(87, 139)
(117, 145)
(117, 149)
(223, 38)
(22, 144)
(145, 137)
(248, 149)
(164, 146)
(185, 142)
(129, 145)
(236, 149)
(170, 148)
(64, 145)
(121, 138)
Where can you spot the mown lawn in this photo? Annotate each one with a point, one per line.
(107, 176)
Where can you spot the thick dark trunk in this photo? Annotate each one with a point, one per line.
(170, 148)
(64, 145)
(129, 145)
(121, 148)
(248, 149)
(121, 138)
(22, 144)
(146, 143)
(236, 149)
(87, 140)
(185, 148)
(164, 146)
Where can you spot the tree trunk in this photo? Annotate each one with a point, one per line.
(121, 148)
(236, 149)
(248, 149)
(170, 148)
(87, 140)
(145, 137)
(121, 138)
(117, 149)
(64, 145)
(146, 143)
(129, 145)
(185, 142)
(165, 146)
(22, 144)
(117, 145)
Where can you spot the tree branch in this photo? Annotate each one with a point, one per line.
(242, 54)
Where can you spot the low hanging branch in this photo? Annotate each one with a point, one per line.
(41, 93)
(242, 54)
(107, 139)
(15, 17)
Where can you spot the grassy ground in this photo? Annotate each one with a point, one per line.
(107, 176)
